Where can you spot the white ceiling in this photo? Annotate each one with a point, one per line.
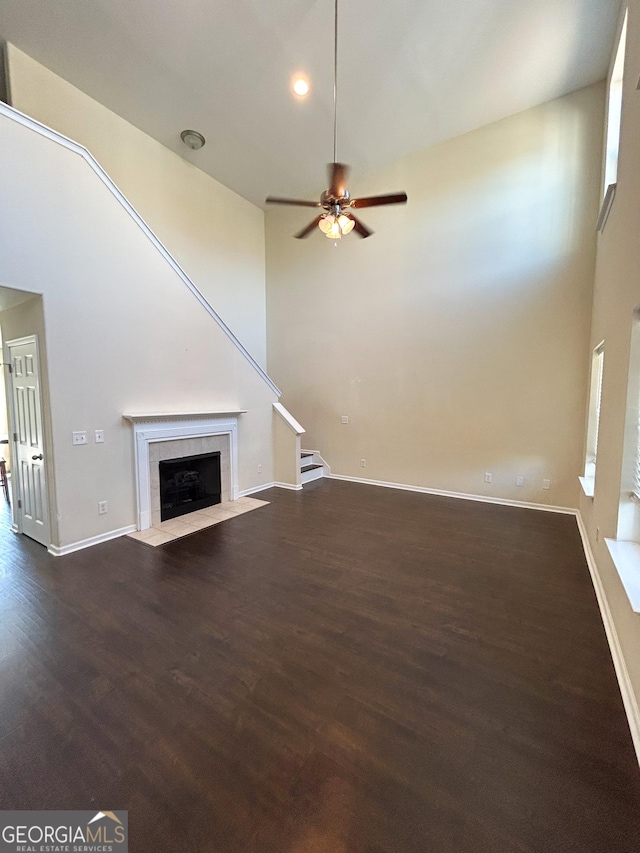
(411, 73)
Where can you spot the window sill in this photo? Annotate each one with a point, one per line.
(588, 486)
(605, 209)
(626, 559)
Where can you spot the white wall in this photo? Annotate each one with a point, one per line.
(123, 332)
(214, 234)
(616, 295)
(456, 337)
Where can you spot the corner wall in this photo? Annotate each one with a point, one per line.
(456, 338)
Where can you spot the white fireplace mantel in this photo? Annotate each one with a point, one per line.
(174, 416)
(150, 428)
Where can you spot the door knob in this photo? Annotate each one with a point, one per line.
(37, 457)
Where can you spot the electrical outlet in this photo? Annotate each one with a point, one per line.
(99, 434)
(363, 463)
(519, 480)
(345, 419)
(102, 507)
(546, 484)
(78, 437)
(488, 477)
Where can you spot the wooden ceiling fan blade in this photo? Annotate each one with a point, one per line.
(359, 228)
(296, 201)
(338, 174)
(308, 229)
(375, 200)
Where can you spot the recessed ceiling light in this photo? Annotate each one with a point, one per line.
(192, 138)
(301, 87)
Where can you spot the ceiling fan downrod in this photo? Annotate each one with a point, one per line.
(336, 218)
(335, 85)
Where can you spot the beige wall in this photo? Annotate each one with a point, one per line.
(617, 294)
(214, 234)
(456, 338)
(123, 332)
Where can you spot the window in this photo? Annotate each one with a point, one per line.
(625, 548)
(614, 118)
(629, 512)
(593, 424)
(614, 111)
(635, 492)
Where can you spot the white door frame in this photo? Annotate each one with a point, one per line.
(16, 486)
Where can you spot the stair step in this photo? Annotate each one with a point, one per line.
(306, 454)
(311, 472)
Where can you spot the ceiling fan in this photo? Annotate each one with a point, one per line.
(336, 218)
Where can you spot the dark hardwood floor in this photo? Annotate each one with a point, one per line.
(347, 670)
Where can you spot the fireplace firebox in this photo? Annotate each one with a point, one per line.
(188, 484)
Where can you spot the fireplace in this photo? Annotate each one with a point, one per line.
(173, 437)
(189, 483)
(190, 487)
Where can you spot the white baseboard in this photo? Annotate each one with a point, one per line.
(629, 698)
(93, 540)
(460, 495)
(246, 492)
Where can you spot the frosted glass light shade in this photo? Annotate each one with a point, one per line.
(335, 227)
(346, 224)
(326, 223)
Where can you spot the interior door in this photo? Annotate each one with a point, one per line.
(28, 467)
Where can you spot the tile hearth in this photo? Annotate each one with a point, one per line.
(176, 528)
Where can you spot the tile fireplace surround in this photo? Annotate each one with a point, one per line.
(170, 436)
(160, 451)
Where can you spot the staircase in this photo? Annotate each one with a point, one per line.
(311, 466)
(294, 466)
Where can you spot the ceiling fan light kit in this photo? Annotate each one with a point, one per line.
(336, 220)
(335, 227)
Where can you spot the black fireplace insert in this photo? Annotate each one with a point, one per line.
(188, 484)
